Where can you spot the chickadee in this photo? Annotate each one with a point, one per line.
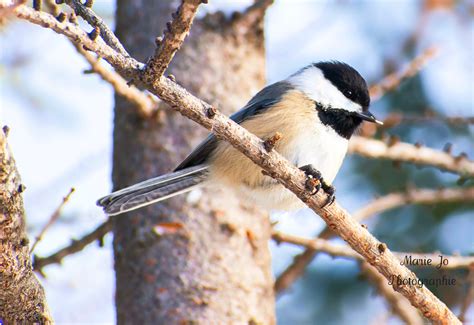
(316, 110)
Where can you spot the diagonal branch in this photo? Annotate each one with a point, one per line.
(125, 65)
(393, 80)
(323, 245)
(390, 201)
(174, 36)
(401, 151)
(146, 106)
(396, 118)
(414, 196)
(74, 247)
(275, 165)
(95, 21)
(54, 217)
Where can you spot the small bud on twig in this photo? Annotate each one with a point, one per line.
(382, 247)
(94, 33)
(269, 143)
(73, 18)
(158, 40)
(6, 130)
(61, 17)
(448, 147)
(461, 156)
(171, 77)
(89, 3)
(21, 188)
(211, 112)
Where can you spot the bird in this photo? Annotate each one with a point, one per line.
(315, 110)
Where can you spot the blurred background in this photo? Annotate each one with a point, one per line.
(61, 137)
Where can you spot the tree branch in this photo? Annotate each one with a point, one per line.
(145, 105)
(414, 196)
(74, 247)
(322, 245)
(406, 152)
(127, 66)
(396, 118)
(173, 38)
(54, 217)
(95, 21)
(275, 165)
(390, 201)
(393, 80)
(22, 298)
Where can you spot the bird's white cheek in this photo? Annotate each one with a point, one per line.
(313, 83)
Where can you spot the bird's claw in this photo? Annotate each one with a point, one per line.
(330, 191)
(315, 182)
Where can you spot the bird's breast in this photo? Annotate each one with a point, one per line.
(320, 146)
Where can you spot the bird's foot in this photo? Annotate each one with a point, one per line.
(330, 191)
(315, 182)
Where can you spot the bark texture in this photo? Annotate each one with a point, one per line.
(209, 262)
(22, 299)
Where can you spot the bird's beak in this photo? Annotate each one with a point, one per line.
(368, 116)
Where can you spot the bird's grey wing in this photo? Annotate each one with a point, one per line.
(258, 104)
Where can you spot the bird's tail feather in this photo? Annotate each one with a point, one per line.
(153, 190)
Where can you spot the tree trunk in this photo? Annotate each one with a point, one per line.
(22, 299)
(188, 260)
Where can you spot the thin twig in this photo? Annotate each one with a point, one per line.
(127, 66)
(95, 21)
(54, 217)
(393, 80)
(400, 305)
(146, 106)
(394, 119)
(406, 152)
(414, 196)
(278, 167)
(323, 245)
(174, 36)
(75, 246)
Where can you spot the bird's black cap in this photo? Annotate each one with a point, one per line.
(347, 80)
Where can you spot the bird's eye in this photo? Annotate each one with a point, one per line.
(348, 92)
